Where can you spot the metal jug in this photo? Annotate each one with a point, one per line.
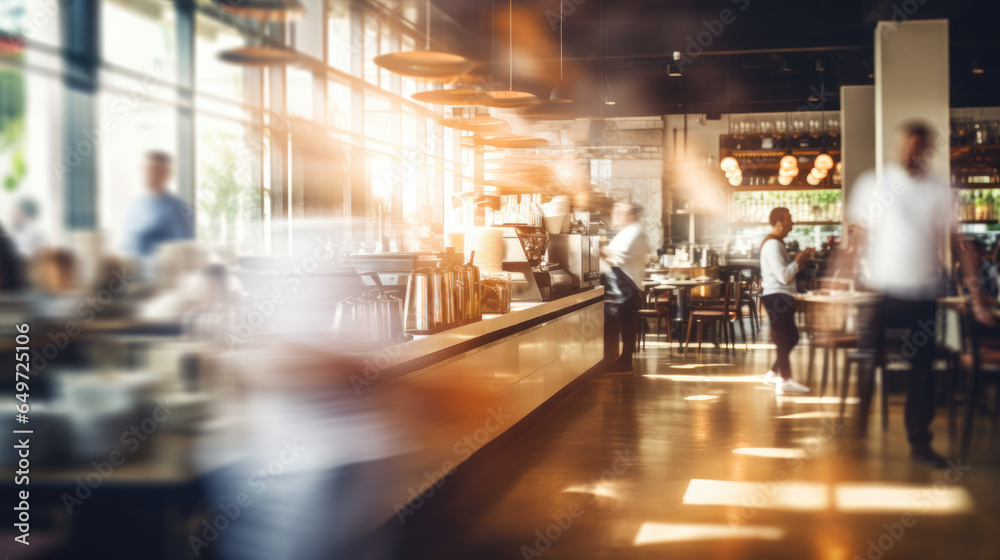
(353, 320)
(472, 289)
(423, 308)
(452, 295)
(387, 313)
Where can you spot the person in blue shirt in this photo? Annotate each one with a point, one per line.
(157, 216)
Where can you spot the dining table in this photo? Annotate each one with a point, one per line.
(682, 288)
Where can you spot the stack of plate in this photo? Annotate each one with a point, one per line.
(487, 242)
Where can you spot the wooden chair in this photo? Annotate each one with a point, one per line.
(981, 364)
(656, 307)
(870, 359)
(750, 297)
(722, 318)
(825, 327)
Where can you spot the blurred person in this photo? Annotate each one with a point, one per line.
(627, 255)
(11, 266)
(157, 216)
(26, 231)
(777, 279)
(905, 218)
(302, 464)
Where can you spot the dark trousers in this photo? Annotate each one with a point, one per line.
(781, 313)
(620, 313)
(919, 317)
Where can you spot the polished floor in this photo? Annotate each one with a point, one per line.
(695, 458)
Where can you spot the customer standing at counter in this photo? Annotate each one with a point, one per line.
(627, 255)
(906, 219)
(777, 274)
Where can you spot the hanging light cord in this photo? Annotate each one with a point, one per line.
(560, 41)
(427, 38)
(601, 100)
(510, 39)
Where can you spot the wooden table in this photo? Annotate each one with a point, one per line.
(684, 294)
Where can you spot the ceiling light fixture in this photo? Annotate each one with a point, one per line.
(426, 64)
(788, 162)
(674, 70)
(511, 98)
(823, 162)
(976, 68)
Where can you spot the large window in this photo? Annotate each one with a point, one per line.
(227, 203)
(252, 145)
(32, 163)
(341, 43)
(140, 35)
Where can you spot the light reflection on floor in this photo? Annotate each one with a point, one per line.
(933, 499)
(813, 414)
(787, 495)
(654, 533)
(772, 452)
(706, 379)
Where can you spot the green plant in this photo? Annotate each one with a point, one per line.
(19, 170)
(225, 192)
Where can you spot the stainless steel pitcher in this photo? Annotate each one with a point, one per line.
(423, 308)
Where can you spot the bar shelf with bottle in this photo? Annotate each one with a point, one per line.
(979, 206)
(975, 151)
(808, 207)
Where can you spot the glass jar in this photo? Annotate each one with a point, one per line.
(496, 293)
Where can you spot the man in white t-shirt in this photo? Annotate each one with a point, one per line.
(905, 219)
(627, 254)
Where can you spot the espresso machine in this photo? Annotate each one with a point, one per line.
(532, 278)
(580, 255)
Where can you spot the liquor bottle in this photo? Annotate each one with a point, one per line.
(991, 207)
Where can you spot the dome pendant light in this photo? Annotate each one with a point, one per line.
(260, 54)
(264, 11)
(511, 98)
(559, 92)
(425, 64)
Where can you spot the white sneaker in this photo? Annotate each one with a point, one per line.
(790, 386)
(771, 377)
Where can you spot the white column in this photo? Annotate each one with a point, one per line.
(857, 140)
(911, 82)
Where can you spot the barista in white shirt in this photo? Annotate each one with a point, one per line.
(627, 254)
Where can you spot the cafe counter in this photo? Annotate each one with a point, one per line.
(486, 377)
